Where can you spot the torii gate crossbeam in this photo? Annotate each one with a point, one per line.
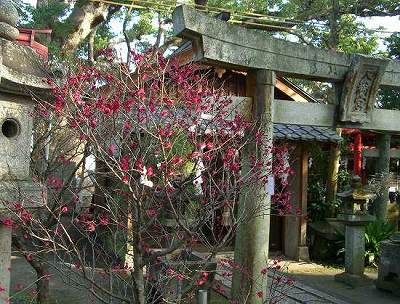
(233, 46)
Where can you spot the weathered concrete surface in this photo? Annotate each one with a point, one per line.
(21, 69)
(219, 42)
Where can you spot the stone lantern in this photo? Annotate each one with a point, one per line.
(355, 217)
(21, 74)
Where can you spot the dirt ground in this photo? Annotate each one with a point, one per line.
(322, 278)
(310, 274)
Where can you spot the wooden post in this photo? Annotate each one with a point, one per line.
(295, 226)
(334, 161)
(303, 248)
(252, 237)
(382, 172)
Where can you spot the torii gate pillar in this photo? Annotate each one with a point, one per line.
(252, 236)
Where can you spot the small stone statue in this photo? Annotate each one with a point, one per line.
(389, 266)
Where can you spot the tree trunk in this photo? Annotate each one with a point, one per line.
(92, 35)
(382, 173)
(42, 271)
(334, 26)
(42, 285)
(85, 16)
(138, 277)
(126, 37)
(334, 152)
(332, 178)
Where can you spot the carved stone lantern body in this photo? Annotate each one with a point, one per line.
(356, 200)
(15, 136)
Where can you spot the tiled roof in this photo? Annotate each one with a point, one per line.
(305, 133)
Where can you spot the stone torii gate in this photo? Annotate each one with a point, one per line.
(218, 43)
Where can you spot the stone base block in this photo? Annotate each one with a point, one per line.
(389, 266)
(29, 194)
(304, 255)
(353, 280)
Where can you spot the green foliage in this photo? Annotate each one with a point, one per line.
(393, 45)
(24, 11)
(318, 207)
(355, 38)
(143, 26)
(23, 299)
(260, 6)
(389, 98)
(375, 233)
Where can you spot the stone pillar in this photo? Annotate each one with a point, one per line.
(303, 253)
(382, 172)
(252, 236)
(5, 262)
(355, 249)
